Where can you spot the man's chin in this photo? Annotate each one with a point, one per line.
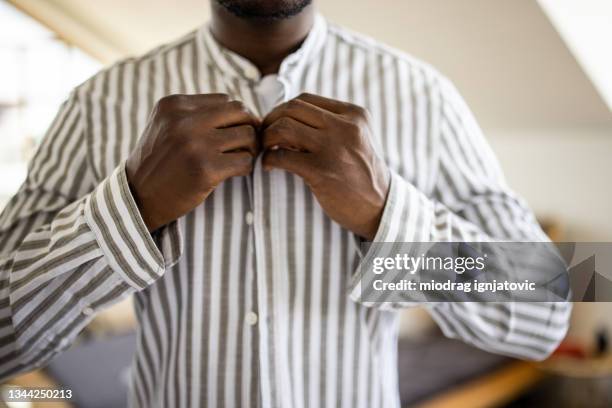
(264, 9)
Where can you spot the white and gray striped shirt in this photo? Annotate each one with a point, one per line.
(250, 300)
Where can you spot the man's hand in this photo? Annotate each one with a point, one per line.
(327, 143)
(190, 145)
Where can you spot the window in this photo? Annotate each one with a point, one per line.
(37, 72)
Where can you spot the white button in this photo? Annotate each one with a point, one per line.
(251, 318)
(249, 217)
(88, 311)
(251, 72)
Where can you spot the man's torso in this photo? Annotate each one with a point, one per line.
(256, 310)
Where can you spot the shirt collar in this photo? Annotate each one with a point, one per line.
(234, 66)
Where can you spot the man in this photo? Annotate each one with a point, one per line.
(226, 180)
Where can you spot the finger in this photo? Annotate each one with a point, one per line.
(232, 113)
(205, 100)
(331, 105)
(191, 102)
(287, 132)
(241, 137)
(235, 164)
(300, 111)
(294, 162)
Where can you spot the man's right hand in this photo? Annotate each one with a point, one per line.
(190, 145)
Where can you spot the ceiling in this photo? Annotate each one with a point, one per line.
(586, 27)
(505, 56)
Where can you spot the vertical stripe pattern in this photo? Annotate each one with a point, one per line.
(250, 299)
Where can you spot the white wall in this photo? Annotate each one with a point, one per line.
(565, 174)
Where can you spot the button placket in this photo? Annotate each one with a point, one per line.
(257, 316)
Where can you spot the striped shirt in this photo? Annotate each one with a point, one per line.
(250, 299)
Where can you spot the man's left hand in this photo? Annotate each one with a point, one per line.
(328, 144)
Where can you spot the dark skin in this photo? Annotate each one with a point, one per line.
(264, 43)
(192, 143)
(328, 144)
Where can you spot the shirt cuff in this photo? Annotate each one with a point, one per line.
(408, 216)
(128, 246)
(169, 240)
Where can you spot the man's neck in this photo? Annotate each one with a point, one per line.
(264, 43)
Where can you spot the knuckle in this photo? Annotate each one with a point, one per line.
(237, 105)
(222, 97)
(179, 128)
(305, 95)
(192, 155)
(293, 104)
(358, 112)
(274, 129)
(284, 123)
(169, 103)
(279, 128)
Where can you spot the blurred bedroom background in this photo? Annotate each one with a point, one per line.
(537, 76)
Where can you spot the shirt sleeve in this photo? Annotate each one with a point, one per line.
(470, 202)
(69, 246)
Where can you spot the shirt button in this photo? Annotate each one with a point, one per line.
(88, 311)
(249, 217)
(251, 318)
